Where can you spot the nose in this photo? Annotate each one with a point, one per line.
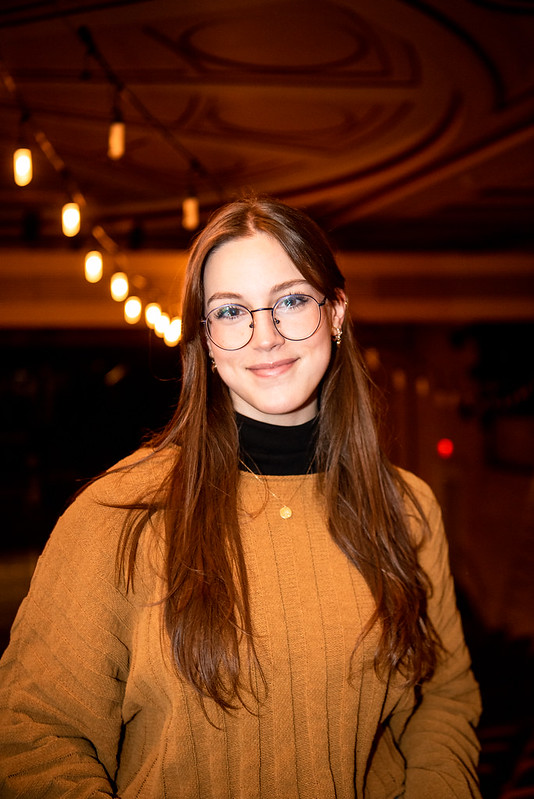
(265, 335)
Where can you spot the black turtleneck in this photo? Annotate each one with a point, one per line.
(274, 449)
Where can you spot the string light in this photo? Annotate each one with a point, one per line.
(94, 266)
(132, 310)
(22, 166)
(173, 332)
(71, 214)
(162, 324)
(119, 286)
(190, 215)
(70, 219)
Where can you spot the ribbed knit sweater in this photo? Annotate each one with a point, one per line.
(91, 706)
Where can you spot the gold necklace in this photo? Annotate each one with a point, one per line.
(285, 511)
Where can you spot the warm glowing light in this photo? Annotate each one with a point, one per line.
(445, 448)
(173, 332)
(152, 314)
(132, 310)
(422, 386)
(372, 358)
(162, 323)
(190, 217)
(22, 166)
(70, 219)
(94, 266)
(119, 286)
(399, 379)
(116, 140)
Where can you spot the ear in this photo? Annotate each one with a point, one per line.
(339, 306)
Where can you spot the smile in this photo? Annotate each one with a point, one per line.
(272, 369)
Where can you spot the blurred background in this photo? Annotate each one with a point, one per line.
(406, 129)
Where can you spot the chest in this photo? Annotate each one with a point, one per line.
(309, 603)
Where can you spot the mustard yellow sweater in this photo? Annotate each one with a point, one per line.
(90, 705)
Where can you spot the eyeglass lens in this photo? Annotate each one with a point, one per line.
(296, 317)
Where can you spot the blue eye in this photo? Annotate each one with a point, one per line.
(292, 302)
(229, 313)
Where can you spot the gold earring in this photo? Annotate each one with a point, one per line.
(212, 363)
(337, 336)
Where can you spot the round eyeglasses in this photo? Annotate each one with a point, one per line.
(295, 317)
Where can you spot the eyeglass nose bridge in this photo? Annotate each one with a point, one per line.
(276, 322)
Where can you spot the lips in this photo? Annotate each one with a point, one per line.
(275, 369)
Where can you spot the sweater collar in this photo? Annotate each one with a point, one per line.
(275, 449)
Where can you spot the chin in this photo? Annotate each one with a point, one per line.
(285, 414)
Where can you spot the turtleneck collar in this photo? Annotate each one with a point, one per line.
(275, 449)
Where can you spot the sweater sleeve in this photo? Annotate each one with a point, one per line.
(438, 741)
(62, 677)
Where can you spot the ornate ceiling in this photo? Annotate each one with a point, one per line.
(399, 124)
(417, 117)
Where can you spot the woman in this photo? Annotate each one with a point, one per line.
(259, 604)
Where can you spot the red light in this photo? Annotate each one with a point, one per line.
(445, 448)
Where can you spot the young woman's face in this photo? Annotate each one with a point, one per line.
(271, 379)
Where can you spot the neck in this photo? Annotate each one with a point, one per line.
(276, 449)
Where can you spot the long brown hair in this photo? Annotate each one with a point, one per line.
(207, 610)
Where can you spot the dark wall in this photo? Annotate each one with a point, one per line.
(71, 404)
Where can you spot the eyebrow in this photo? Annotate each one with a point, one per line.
(279, 287)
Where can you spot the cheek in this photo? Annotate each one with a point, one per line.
(225, 362)
(319, 355)
(325, 354)
(323, 339)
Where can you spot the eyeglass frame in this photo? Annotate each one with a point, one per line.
(256, 310)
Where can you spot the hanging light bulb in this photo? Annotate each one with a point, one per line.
(132, 310)
(190, 215)
(173, 332)
(119, 286)
(94, 266)
(22, 166)
(162, 323)
(70, 219)
(152, 314)
(116, 136)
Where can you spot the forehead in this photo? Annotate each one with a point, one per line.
(248, 266)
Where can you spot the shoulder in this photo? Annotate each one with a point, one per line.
(418, 487)
(422, 507)
(135, 478)
(92, 524)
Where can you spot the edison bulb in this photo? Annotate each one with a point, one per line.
(173, 333)
(70, 219)
(22, 166)
(162, 323)
(152, 314)
(132, 310)
(93, 266)
(119, 286)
